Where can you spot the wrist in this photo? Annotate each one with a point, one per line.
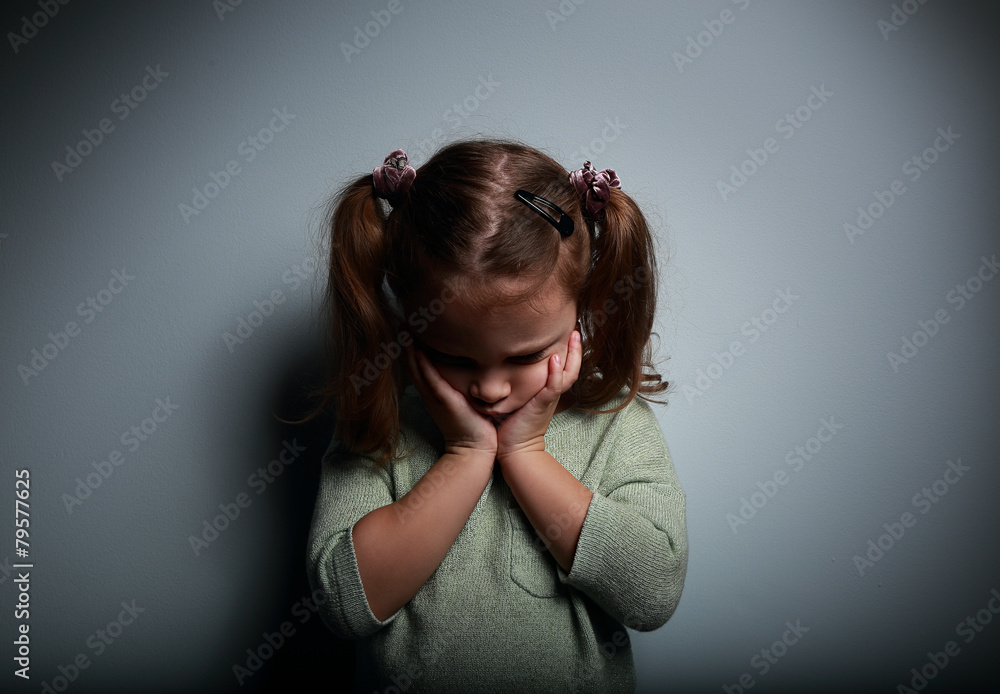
(464, 455)
(525, 451)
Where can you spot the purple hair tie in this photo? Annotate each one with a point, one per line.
(594, 187)
(393, 179)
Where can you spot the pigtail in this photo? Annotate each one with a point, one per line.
(363, 382)
(619, 307)
(367, 388)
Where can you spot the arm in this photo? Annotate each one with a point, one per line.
(399, 546)
(624, 544)
(632, 554)
(369, 552)
(554, 501)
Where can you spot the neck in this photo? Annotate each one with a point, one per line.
(566, 401)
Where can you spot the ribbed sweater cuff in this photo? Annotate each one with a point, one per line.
(356, 615)
(608, 542)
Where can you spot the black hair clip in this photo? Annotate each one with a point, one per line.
(564, 224)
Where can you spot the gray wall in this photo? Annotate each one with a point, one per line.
(774, 532)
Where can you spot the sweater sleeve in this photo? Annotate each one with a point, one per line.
(350, 487)
(631, 558)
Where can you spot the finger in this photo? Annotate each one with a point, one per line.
(430, 375)
(553, 384)
(436, 383)
(567, 374)
(562, 377)
(417, 373)
(574, 357)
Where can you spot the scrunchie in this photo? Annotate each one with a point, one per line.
(393, 179)
(594, 187)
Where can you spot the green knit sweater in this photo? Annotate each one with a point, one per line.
(499, 614)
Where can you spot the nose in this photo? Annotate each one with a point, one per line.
(488, 388)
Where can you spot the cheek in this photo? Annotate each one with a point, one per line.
(453, 377)
(533, 379)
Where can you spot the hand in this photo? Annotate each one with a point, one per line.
(464, 429)
(524, 430)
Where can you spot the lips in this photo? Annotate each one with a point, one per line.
(496, 417)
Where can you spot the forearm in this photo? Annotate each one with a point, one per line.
(554, 501)
(399, 546)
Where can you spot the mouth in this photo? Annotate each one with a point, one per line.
(496, 418)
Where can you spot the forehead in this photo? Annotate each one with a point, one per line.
(455, 321)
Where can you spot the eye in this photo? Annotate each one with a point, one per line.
(450, 360)
(465, 362)
(529, 358)
(445, 359)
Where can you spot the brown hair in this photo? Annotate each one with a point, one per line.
(460, 228)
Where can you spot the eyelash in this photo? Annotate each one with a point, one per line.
(529, 358)
(521, 361)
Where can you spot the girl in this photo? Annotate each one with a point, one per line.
(495, 524)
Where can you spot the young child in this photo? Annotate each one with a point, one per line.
(497, 505)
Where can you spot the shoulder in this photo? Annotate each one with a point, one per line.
(419, 441)
(619, 415)
(619, 428)
(416, 423)
(637, 429)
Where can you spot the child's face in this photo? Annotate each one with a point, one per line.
(497, 359)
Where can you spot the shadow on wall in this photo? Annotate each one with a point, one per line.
(315, 659)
